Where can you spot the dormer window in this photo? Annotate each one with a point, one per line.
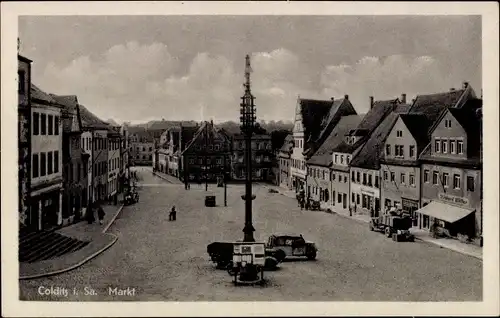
(447, 123)
(399, 133)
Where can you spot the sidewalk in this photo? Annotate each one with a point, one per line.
(448, 243)
(94, 233)
(167, 177)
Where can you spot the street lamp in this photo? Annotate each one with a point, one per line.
(247, 119)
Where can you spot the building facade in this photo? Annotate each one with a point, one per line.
(207, 156)
(100, 164)
(284, 177)
(74, 161)
(261, 158)
(24, 139)
(451, 174)
(114, 164)
(46, 161)
(86, 143)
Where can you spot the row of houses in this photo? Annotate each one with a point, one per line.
(69, 159)
(423, 157)
(205, 152)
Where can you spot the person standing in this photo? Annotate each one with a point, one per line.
(173, 214)
(100, 214)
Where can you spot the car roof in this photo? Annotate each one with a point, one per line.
(286, 235)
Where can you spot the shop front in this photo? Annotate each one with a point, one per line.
(445, 219)
(410, 206)
(46, 212)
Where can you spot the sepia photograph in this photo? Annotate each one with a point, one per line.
(238, 156)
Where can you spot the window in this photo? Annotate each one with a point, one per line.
(399, 133)
(402, 176)
(437, 145)
(364, 178)
(219, 161)
(353, 197)
(456, 181)
(333, 197)
(386, 175)
(388, 150)
(49, 163)
(339, 197)
(444, 146)
(345, 179)
(191, 161)
(352, 176)
(341, 159)
(399, 151)
(357, 177)
(370, 180)
(35, 165)
(150, 148)
(36, 123)
(376, 181)
(460, 147)
(452, 146)
(470, 183)
(412, 180)
(357, 198)
(393, 176)
(426, 176)
(447, 123)
(333, 176)
(43, 164)
(43, 124)
(445, 179)
(21, 81)
(412, 151)
(336, 157)
(51, 124)
(348, 159)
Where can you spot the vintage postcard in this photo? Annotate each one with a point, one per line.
(246, 158)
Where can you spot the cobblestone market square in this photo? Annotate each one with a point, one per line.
(167, 261)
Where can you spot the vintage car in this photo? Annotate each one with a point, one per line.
(221, 253)
(131, 198)
(292, 245)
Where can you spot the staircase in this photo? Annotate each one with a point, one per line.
(44, 245)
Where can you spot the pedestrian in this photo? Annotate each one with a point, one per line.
(100, 214)
(172, 214)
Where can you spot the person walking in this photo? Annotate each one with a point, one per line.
(172, 215)
(100, 214)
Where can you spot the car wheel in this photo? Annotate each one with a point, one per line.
(311, 255)
(280, 255)
(388, 232)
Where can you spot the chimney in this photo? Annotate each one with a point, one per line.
(371, 102)
(346, 97)
(465, 85)
(403, 98)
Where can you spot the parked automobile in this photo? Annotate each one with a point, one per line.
(292, 245)
(395, 224)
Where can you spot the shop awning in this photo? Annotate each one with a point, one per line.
(445, 212)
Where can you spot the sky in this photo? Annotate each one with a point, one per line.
(140, 68)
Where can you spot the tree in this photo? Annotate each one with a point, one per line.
(278, 138)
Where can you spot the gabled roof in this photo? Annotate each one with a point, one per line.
(313, 112)
(24, 59)
(370, 122)
(323, 156)
(369, 155)
(89, 120)
(418, 125)
(40, 96)
(432, 105)
(69, 110)
(340, 107)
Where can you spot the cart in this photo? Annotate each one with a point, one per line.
(248, 263)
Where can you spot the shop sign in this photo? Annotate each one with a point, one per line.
(453, 199)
